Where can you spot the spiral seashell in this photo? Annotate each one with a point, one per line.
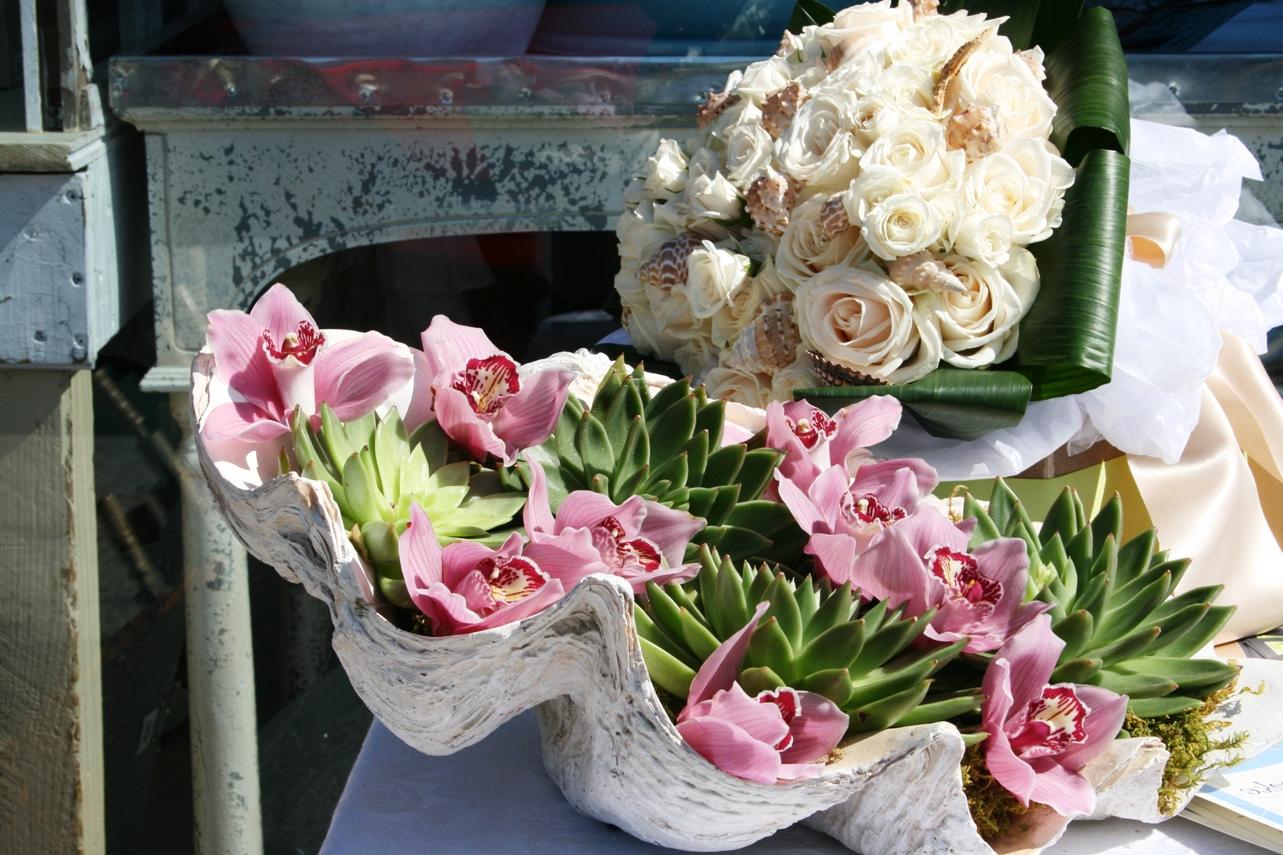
(833, 216)
(922, 271)
(923, 8)
(714, 105)
(780, 106)
(954, 65)
(770, 340)
(769, 199)
(832, 374)
(976, 130)
(667, 267)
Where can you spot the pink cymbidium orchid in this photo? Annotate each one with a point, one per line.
(774, 737)
(480, 400)
(813, 441)
(924, 563)
(274, 359)
(466, 586)
(640, 541)
(1040, 736)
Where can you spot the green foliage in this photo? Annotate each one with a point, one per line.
(376, 472)
(667, 447)
(1113, 605)
(813, 637)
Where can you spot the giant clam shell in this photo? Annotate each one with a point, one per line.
(607, 741)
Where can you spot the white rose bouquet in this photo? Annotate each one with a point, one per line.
(856, 210)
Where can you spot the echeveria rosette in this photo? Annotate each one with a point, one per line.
(923, 565)
(468, 587)
(275, 360)
(774, 737)
(638, 540)
(1041, 735)
(481, 400)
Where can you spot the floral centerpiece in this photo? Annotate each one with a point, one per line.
(728, 620)
(872, 207)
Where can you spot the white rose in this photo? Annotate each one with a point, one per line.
(798, 375)
(714, 276)
(696, 355)
(932, 40)
(985, 238)
(733, 384)
(666, 169)
(874, 186)
(638, 233)
(762, 78)
(1042, 162)
(671, 308)
(727, 323)
(748, 149)
(905, 84)
(671, 215)
(997, 185)
(901, 225)
(859, 319)
(818, 148)
(996, 77)
(865, 28)
(639, 319)
(1021, 271)
(917, 151)
(805, 248)
(978, 325)
(713, 198)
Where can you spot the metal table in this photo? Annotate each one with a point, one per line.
(257, 164)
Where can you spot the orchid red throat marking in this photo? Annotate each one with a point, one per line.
(868, 509)
(790, 706)
(961, 574)
(511, 579)
(302, 344)
(609, 537)
(487, 383)
(1052, 723)
(811, 429)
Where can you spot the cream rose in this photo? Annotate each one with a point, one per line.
(978, 325)
(713, 198)
(905, 84)
(996, 77)
(748, 149)
(696, 355)
(733, 384)
(917, 151)
(932, 40)
(997, 185)
(742, 307)
(762, 78)
(714, 277)
(901, 225)
(858, 319)
(638, 233)
(865, 28)
(806, 248)
(874, 186)
(666, 169)
(798, 375)
(818, 148)
(986, 238)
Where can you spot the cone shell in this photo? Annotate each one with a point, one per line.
(780, 107)
(832, 374)
(833, 216)
(769, 200)
(952, 68)
(976, 130)
(770, 341)
(922, 271)
(667, 267)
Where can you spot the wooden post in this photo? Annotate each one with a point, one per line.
(51, 766)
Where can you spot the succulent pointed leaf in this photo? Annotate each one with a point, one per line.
(888, 711)
(669, 673)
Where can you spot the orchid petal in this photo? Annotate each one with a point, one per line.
(1032, 653)
(419, 410)
(236, 340)
(448, 346)
(569, 556)
(421, 555)
(446, 611)
(663, 576)
(927, 528)
(828, 492)
(863, 424)
(891, 569)
(804, 511)
(586, 508)
(461, 423)
(243, 422)
(1102, 724)
(528, 417)
(354, 377)
(996, 688)
(816, 730)
(475, 591)
(670, 529)
(1063, 790)
(461, 558)
(730, 749)
(537, 513)
(761, 721)
(836, 554)
(721, 667)
(551, 592)
(279, 313)
(891, 482)
(1015, 775)
(797, 465)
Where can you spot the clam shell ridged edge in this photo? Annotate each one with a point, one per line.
(606, 740)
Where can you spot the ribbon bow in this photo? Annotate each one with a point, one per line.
(1152, 237)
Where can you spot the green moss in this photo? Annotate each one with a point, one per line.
(994, 810)
(1190, 737)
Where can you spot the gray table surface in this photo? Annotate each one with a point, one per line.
(495, 798)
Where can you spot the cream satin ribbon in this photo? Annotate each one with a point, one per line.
(1152, 237)
(1221, 504)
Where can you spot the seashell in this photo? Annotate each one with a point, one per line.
(667, 267)
(770, 340)
(954, 65)
(789, 43)
(714, 105)
(607, 741)
(769, 199)
(832, 374)
(780, 106)
(976, 130)
(923, 8)
(834, 217)
(922, 271)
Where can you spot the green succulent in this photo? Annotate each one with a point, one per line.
(813, 637)
(667, 447)
(1113, 604)
(376, 472)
